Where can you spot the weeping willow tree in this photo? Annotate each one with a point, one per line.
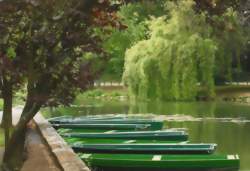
(178, 56)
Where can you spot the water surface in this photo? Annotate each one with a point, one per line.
(224, 123)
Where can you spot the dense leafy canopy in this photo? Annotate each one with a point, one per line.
(178, 55)
(44, 44)
(133, 16)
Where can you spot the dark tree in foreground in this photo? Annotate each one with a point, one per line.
(44, 47)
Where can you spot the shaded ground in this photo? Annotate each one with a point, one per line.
(15, 118)
(39, 157)
(37, 154)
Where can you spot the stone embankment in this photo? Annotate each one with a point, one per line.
(66, 158)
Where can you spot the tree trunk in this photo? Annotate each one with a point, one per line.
(12, 159)
(7, 110)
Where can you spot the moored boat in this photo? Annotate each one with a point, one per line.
(68, 118)
(82, 127)
(155, 125)
(166, 162)
(152, 135)
(145, 148)
(76, 141)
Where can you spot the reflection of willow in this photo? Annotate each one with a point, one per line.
(195, 109)
(232, 138)
(138, 107)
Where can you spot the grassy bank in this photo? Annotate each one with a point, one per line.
(232, 90)
(104, 93)
(117, 93)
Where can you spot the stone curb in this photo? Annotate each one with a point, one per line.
(67, 159)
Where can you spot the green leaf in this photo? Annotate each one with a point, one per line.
(11, 53)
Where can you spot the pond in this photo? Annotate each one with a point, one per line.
(224, 123)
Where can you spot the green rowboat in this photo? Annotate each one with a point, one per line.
(146, 148)
(85, 130)
(150, 162)
(155, 125)
(66, 118)
(104, 126)
(145, 135)
(77, 141)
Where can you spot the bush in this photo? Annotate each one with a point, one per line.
(94, 93)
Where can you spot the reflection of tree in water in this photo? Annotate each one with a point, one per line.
(195, 109)
(213, 109)
(232, 138)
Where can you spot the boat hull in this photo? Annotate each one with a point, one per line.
(105, 127)
(162, 162)
(145, 148)
(155, 125)
(73, 141)
(62, 119)
(138, 135)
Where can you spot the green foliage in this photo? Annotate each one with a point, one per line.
(117, 44)
(19, 97)
(177, 57)
(141, 11)
(231, 42)
(133, 16)
(102, 94)
(93, 93)
(1, 104)
(49, 48)
(11, 53)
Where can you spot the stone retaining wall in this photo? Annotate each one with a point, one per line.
(67, 159)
